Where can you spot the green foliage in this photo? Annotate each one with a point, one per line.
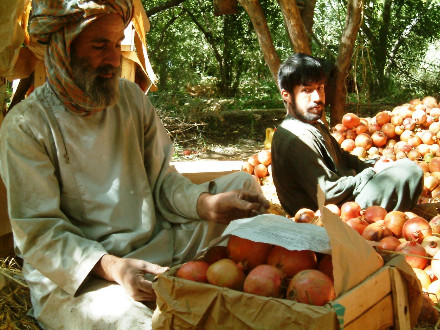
(200, 57)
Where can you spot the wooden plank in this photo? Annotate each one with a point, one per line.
(128, 69)
(400, 300)
(365, 295)
(380, 316)
(39, 74)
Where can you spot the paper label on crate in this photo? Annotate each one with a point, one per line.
(279, 230)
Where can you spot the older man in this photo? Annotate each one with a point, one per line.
(305, 155)
(95, 207)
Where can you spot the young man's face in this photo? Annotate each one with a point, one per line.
(96, 59)
(306, 103)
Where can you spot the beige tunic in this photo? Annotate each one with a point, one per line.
(81, 187)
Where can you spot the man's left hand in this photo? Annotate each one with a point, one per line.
(231, 205)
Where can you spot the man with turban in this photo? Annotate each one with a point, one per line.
(96, 209)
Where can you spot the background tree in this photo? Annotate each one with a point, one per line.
(394, 57)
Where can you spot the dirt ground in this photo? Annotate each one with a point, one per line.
(225, 136)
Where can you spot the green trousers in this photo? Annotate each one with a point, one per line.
(397, 187)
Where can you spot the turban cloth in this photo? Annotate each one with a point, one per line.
(57, 23)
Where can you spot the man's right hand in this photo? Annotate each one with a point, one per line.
(129, 273)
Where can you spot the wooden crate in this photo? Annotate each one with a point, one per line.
(379, 302)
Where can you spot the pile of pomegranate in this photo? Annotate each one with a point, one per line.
(411, 130)
(266, 270)
(407, 233)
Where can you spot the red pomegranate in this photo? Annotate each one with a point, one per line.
(226, 273)
(292, 262)
(264, 280)
(411, 249)
(311, 287)
(350, 210)
(194, 270)
(215, 253)
(374, 213)
(325, 265)
(248, 253)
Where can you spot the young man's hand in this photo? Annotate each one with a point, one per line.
(129, 273)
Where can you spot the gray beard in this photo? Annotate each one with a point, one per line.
(103, 91)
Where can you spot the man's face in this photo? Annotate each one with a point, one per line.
(96, 59)
(306, 102)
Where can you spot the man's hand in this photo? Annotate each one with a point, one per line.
(129, 273)
(231, 205)
(382, 164)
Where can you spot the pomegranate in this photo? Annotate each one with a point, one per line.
(248, 253)
(226, 273)
(434, 291)
(350, 210)
(389, 243)
(434, 223)
(265, 157)
(334, 209)
(304, 215)
(261, 170)
(350, 120)
(412, 251)
(339, 136)
(325, 265)
(194, 270)
(374, 213)
(361, 128)
(363, 140)
(253, 160)
(247, 167)
(348, 145)
(357, 224)
(215, 253)
(379, 138)
(311, 287)
(389, 130)
(423, 277)
(376, 231)
(383, 118)
(416, 229)
(434, 164)
(292, 262)
(394, 221)
(264, 280)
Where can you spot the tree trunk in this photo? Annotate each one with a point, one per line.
(346, 46)
(307, 17)
(295, 26)
(258, 19)
(381, 51)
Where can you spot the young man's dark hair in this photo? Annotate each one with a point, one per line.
(300, 69)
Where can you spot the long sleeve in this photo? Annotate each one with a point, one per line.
(175, 195)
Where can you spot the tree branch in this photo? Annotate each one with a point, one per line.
(164, 6)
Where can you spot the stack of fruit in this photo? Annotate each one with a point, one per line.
(266, 270)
